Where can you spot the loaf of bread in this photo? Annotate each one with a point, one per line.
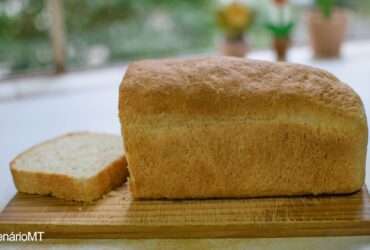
(77, 166)
(227, 127)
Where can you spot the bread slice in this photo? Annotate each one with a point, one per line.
(77, 166)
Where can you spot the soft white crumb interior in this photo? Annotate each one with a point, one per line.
(77, 155)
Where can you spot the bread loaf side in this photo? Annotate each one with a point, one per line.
(228, 127)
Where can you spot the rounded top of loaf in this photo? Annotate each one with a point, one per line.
(233, 87)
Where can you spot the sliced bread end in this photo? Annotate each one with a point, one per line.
(77, 166)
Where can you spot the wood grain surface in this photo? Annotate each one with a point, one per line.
(118, 216)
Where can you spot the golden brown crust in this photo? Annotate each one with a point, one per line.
(218, 86)
(225, 127)
(67, 187)
(243, 160)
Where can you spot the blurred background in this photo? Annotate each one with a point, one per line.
(57, 35)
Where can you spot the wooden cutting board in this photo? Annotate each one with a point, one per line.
(118, 216)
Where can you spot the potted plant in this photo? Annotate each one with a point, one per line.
(281, 30)
(327, 23)
(234, 19)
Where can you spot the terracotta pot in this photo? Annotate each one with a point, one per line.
(281, 46)
(237, 48)
(327, 34)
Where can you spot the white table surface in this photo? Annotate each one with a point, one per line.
(32, 110)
